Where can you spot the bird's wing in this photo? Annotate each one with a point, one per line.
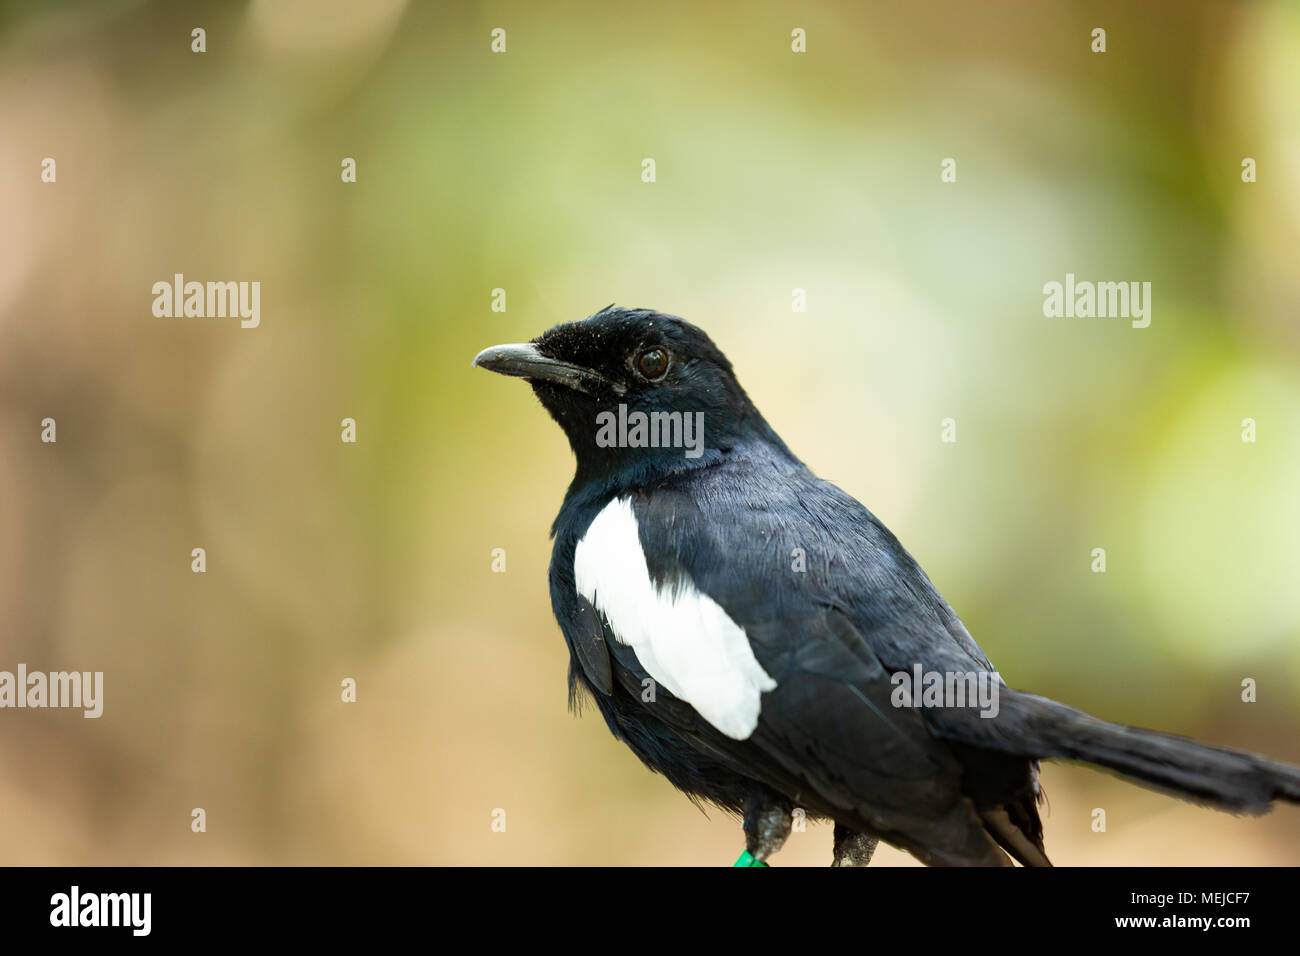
(705, 594)
(765, 544)
(588, 640)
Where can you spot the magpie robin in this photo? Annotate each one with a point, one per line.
(758, 637)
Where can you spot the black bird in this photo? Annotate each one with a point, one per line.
(750, 630)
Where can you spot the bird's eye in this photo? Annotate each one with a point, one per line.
(652, 363)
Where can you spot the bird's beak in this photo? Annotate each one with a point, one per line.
(524, 361)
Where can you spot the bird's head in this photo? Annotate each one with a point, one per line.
(635, 390)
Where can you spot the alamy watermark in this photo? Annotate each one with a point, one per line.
(922, 688)
(212, 300)
(129, 910)
(1102, 300)
(651, 430)
(83, 689)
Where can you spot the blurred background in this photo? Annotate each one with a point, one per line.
(522, 171)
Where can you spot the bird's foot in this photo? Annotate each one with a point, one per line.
(766, 824)
(853, 848)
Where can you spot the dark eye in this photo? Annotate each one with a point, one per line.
(652, 363)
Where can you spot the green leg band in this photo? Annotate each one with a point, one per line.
(747, 860)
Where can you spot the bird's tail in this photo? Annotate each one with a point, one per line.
(1036, 727)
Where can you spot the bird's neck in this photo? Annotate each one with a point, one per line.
(598, 478)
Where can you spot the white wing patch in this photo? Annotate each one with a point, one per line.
(682, 638)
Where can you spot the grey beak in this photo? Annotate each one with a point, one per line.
(524, 361)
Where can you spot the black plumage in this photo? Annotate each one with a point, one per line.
(944, 783)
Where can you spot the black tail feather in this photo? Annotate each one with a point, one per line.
(1036, 727)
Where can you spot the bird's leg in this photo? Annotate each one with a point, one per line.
(852, 848)
(766, 824)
